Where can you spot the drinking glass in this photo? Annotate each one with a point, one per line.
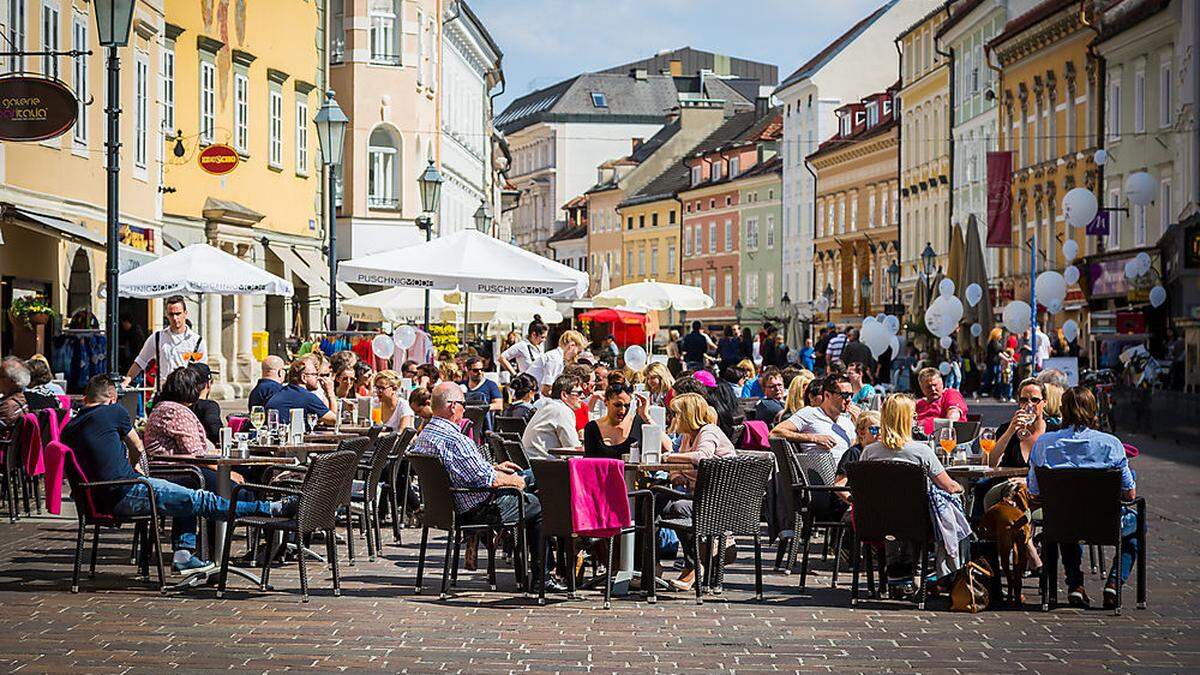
(987, 441)
(945, 438)
(272, 420)
(312, 421)
(258, 415)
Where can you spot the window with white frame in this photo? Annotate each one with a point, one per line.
(751, 289)
(141, 109)
(385, 32)
(671, 256)
(770, 232)
(383, 167)
(728, 288)
(1165, 113)
(728, 235)
(641, 261)
(712, 286)
(712, 237)
(168, 87)
(770, 289)
(872, 114)
(696, 175)
(1114, 105)
(420, 48)
(337, 31)
(1114, 220)
(629, 260)
(275, 127)
(1139, 101)
(50, 39)
(1165, 210)
(241, 113)
(735, 165)
(16, 35)
(208, 99)
(79, 43)
(653, 260)
(716, 170)
(687, 240)
(871, 210)
(751, 234)
(1139, 226)
(302, 134)
(699, 239)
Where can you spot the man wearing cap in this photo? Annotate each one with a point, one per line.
(208, 410)
(172, 347)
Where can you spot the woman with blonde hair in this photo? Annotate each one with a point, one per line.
(547, 369)
(1053, 409)
(396, 413)
(896, 442)
(795, 393)
(696, 422)
(658, 382)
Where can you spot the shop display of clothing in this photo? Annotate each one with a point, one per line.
(79, 356)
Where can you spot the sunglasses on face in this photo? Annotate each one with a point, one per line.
(474, 370)
(1029, 399)
(844, 395)
(576, 392)
(874, 431)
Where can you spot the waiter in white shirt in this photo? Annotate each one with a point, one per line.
(525, 352)
(172, 347)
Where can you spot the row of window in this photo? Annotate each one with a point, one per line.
(752, 236)
(718, 169)
(723, 295)
(644, 255)
(386, 25)
(753, 289)
(694, 237)
(1164, 101)
(832, 211)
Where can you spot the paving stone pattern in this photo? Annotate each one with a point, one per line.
(116, 624)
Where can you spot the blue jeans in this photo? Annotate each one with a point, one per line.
(1072, 554)
(183, 505)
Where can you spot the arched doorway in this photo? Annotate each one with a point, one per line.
(79, 292)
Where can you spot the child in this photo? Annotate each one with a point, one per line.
(1006, 373)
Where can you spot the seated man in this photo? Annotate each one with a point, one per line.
(938, 402)
(553, 425)
(1079, 445)
(14, 377)
(107, 448)
(771, 404)
(480, 389)
(442, 438)
(827, 427)
(273, 372)
(302, 381)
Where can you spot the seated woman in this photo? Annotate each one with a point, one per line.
(206, 409)
(41, 380)
(345, 380)
(658, 382)
(172, 428)
(796, 393)
(364, 375)
(612, 435)
(896, 443)
(522, 390)
(397, 414)
(860, 383)
(421, 403)
(696, 423)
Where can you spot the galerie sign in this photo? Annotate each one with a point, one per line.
(35, 108)
(218, 159)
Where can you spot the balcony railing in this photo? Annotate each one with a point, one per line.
(383, 202)
(385, 58)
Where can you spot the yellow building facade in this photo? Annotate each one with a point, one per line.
(250, 76)
(1048, 118)
(52, 192)
(654, 248)
(924, 147)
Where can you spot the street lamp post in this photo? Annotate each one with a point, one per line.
(893, 277)
(828, 295)
(114, 18)
(928, 258)
(865, 291)
(430, 183)
(786, 303)
(331, 125)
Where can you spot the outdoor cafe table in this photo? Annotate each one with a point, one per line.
(330, 436)
(299, 452)
(968, 475)
(224, 467)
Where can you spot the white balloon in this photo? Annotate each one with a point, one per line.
(1016, 316)
(635, 357)
(974, 294)
(1053, 306)
(821, 304)
(946, 287)
(892, 324)
(383, 346)
(1143, 263)
(343, 321)
(405, 336)
(1080, 206)
(1051, 289)
(875, 336)
(946, 342)
(944, 368)
(954, 308)
(976, 330)
(869, 321)
(880, 317)
(1070, 250)
(1158, 295)
(1070, 330)
(1140, 188)
(1100, 157)
(1071, 275)
(894, 345)
(1131, 269)
(942, 317)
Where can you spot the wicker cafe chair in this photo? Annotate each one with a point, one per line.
(1084, 505)
(728, 498)
(366, 505)
(891, 503)
(439, 513)
(392, 499)
(555, 490)
(510, 425)
(816, 471)
(324, 490)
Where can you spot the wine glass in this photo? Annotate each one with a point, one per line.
(947, 441)
(272, 420)
(258, 415)
(312, 421)
(987, 441)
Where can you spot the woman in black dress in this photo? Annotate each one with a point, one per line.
(612, 435)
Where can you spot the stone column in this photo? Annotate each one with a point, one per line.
(246, 365)
(212, 341)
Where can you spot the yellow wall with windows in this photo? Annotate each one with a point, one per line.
(660, 243)
(281, 36)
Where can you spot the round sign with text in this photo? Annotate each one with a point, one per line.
(218, 159)
(35, 108)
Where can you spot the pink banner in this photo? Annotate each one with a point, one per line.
(999, 198)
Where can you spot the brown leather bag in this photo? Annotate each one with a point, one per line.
(970, 592)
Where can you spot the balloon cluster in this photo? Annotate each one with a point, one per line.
(879, 333)
(1138, 267)
(944, 313)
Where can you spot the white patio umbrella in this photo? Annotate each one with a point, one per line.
(396, 305)
(502, 309)
(200, 268)
(401, 304)
(469, 261)
(657, 295)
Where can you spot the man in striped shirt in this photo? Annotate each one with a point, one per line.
(833, 350)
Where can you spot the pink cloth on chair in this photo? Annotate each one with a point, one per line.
(755, 436)
(237, 423)
(30, 437)
(64, 401)
(599, 504)
(56, 459)
(57, 425)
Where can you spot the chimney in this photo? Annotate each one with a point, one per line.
(676, 66)
(637, 143)
(672, 115)
(638, 73)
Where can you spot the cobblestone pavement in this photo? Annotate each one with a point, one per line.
(116, 624)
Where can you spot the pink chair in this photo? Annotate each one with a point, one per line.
(237, 423)
(755, 436)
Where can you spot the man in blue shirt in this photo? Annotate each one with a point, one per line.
(695, 348)
(479, 388)
(273, 371)
(102, 438)
(302, 381)
(1079, 445)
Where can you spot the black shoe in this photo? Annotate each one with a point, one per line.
(288, 506)
(1110, 596)
(555, 586)
(1078, 597)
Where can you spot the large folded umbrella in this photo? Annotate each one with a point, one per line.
(975, 272)
(655, 295)
(955, 263)
(200, 268)
(469, 261)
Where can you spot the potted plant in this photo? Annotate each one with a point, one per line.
(31, 311)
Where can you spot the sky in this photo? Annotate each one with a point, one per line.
(546, 41)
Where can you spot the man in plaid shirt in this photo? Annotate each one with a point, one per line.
(442, 438)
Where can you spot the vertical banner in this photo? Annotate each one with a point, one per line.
(999, 198)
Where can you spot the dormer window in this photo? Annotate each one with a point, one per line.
(717, 169)
(887, 107)
(599, 100)
(734, 166)
(872, 114)
(845, 125)
(695, 175)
